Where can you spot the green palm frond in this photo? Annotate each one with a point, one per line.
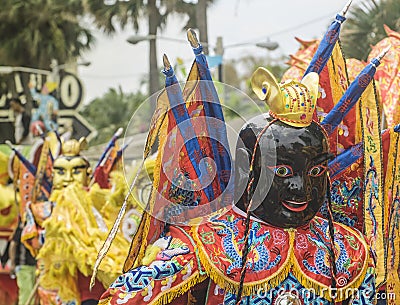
(35, 31)
(364, 26)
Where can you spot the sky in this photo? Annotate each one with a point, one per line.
(116, 63)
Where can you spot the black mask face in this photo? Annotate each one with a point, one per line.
(290, 171)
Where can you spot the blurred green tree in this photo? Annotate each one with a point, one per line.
(115, 109)
(33, 32)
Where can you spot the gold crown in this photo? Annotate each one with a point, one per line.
(72, 148)
(291, 102)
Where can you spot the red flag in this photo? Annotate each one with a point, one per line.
(101, 175)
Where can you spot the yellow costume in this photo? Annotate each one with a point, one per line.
(8, 208)
(76, 229)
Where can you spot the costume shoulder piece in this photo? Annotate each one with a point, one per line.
(276, 252)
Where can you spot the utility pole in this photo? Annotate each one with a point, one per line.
(219, 50)
(154, 80)
(201, 21)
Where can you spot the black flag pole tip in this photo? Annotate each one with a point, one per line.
(192, 38)
(166, 62)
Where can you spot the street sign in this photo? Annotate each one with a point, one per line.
(72, 121)
(69, 93)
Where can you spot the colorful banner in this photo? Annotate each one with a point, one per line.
(375, 217)
(392, 201)
(387, 76)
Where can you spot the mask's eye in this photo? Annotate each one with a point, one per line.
(60, 172)
(317, 170)
(77, 171)
(282, 170)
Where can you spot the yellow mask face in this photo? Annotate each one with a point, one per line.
(70, 170)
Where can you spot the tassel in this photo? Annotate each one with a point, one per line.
(113, 232)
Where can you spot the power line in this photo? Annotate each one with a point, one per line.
(111, 76)
(283, 31)
(304, 24)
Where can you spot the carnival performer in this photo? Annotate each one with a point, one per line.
(363, 174)
(48, 106)
(8, 208)
(22, 121)
(66, 217)
(266, 247)
(74, 232)
(8, 224)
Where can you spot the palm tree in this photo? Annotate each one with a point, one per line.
(364, 26)
(33, 32)
(106, 16)
(197, 18)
